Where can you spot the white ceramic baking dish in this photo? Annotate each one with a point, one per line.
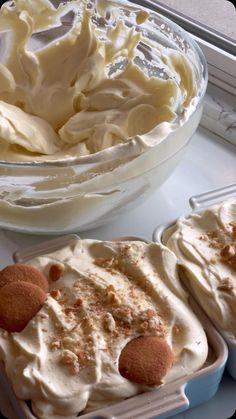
(198, 203)
(167, 401)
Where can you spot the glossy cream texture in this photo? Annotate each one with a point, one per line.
(205, 245)
(66, 359)
(85, 91)
(97, 92)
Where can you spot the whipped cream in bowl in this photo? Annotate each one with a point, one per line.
(106, 294)
(97, 104)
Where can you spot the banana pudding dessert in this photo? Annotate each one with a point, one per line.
(205, 245)
(94, 323)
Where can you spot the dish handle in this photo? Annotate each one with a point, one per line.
(49, 246)
(146, 405)
(212, 197)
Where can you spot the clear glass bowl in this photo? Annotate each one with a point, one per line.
(84, 192)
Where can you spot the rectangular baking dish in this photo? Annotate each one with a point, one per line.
(167, 401)
(198, 203)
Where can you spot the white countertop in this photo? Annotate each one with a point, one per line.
(209, 163)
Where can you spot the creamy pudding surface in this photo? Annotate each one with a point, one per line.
(98, 101)
(87, 86)
(205, 245)
(102, 295)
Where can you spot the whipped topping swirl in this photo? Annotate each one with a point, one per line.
(205, 245)
(88, 85)
(97, 103)
(102, 295)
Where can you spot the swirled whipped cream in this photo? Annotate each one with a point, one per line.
(102, 295)
(205, 245)
(98, 101)
(86, 85)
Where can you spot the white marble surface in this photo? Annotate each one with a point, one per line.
(209, 163)
(219, 15)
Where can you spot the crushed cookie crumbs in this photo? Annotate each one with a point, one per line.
(228, 255)
(225, 285)
(55, 344)
(55, 271)
(56, 294)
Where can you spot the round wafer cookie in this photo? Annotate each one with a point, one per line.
(19, 303)
(145, 360)
(22, 272)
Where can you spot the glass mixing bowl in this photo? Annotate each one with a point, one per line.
(80, 193)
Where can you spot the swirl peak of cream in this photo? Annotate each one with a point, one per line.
(205, 245)
(85, 88)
